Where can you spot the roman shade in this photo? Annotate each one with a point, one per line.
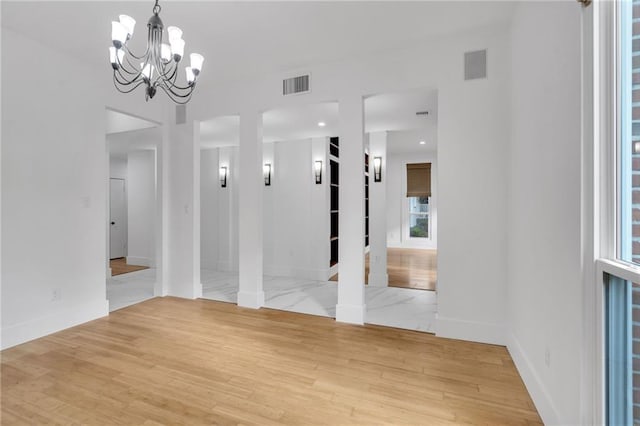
(419, 180)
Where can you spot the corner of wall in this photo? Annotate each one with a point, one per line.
(474, 331)
(535, 386)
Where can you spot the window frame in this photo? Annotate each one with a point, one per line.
(602, 191)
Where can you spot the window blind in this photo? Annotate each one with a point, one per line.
(419, 180)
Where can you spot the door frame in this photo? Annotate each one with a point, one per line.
(160, 287)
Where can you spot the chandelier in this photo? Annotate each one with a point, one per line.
(158, 65)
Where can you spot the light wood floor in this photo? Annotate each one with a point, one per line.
(120, 266)
(181, 361)
(408, 268)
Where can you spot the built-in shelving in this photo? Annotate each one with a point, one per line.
(334, 207)
(366, 199)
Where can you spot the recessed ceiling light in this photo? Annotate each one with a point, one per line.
(322, 124)
(422, 142)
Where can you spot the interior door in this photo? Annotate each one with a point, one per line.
(118, 218)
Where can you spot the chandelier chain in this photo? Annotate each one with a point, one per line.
(157, 8)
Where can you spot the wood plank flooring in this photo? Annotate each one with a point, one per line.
(120, 266)
(408, 268)
(178, 361)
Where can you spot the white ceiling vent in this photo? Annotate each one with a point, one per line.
(475, 65)
(296, 85)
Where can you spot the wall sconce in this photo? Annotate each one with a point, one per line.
(377, 169)
(267, 174)
(318, 171)
(223, 177)
(636, 147)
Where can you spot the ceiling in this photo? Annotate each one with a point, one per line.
(389, 112)
(239, 39)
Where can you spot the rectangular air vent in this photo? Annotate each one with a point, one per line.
(181, 114)
(295, 85)
(475, 65)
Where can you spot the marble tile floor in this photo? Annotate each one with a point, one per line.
(131, 288)
(389, 306)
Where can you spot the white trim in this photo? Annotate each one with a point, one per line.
(535, 386)
(474, 331)
(626, 271)
(67, 316)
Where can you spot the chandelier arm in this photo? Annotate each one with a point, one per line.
(131, 71)
(126, 81)
(134, 66)
(128, 90)
(146, 52)
(176, 98)
(188, 91)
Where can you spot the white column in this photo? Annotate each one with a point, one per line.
(184, 208)
(250, 294)
(378, 212)
(351, 306)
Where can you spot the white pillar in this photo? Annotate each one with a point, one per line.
(351, 306)
(250, 294)
(184, 207)
(378, 212)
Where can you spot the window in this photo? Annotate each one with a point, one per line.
(620, 254)
(419, 217)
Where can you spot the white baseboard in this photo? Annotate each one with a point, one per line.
(65, 317)
(537, 390)
(474, 331)
(139, 261)
(352, 314)
(251, 300)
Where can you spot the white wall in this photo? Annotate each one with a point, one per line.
(141, 208)
(296, 213)
(544, 256)
(118, 167)
(210, 206)
(54, 166)
(398, 204)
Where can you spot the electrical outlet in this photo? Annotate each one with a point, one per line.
(56, 295)
(547, 356)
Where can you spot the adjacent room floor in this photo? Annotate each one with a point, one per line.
(408, 268)
(395, 307)
(120, 266)
(179, 361)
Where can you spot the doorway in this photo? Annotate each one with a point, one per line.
(117, 219)
(134, 209)
(401, 265)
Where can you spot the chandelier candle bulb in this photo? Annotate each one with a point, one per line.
(118, 34)
(159, 63)
(196, 63)
(190, 75)
(147, 71)
(175, 33)
(128, 23)
(177, 48)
